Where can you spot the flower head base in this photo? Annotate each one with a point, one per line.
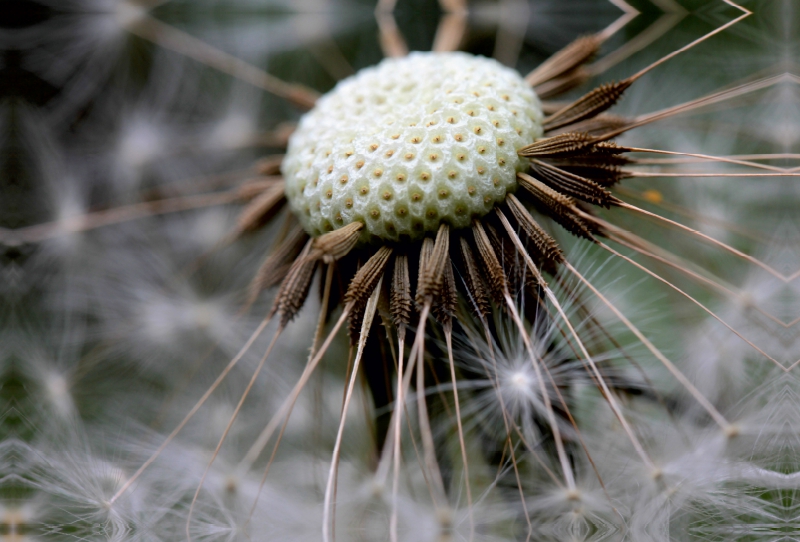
(410, 144)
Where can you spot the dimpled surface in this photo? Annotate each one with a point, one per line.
(409, 144)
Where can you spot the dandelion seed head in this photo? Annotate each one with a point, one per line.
(233, 131)
(139, 144)
(57, 390)
(411, 143)
(128, 13)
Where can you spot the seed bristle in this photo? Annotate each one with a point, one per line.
(363, 283)
(400, 302)
(605, 175)
(294, 288)
(337, 244)
(591, 104)
(277, 264)
(473, 281)
(561, 85)
(546, 246)
(433, 259)
(565, 144)
(568, 59)
(555, 205)
(498, 285)
(270, 165)
(572, 184)
(444, 305)
(259, 211)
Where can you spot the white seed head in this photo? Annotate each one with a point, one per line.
(409, 144)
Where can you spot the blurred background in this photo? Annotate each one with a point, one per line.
(117, 314)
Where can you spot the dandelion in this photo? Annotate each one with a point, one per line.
(424, 194)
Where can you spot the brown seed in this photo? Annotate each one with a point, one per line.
(400, 295)
(366, 278)
(336, 244)
(473, 282)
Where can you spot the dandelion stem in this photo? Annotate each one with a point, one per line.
(710, 239)
(327, 520)
(194, 409)
(266, 433)
(693, 300)
(745, 13)
(176, 40)
(680, 377)
(448, 335)
(428, 447)
(245, 465)
(228, 428)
